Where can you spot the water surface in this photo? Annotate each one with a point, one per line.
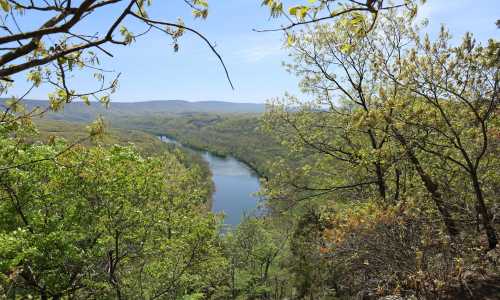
(235, 185)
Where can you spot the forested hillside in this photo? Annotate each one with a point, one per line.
(238, 135)
(145, 143)
(223, 128)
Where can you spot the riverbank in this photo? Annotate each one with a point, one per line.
(259, 172)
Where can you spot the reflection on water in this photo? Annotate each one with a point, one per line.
(234, 183)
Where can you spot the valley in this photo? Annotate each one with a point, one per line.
(357, 158)
(212, 137)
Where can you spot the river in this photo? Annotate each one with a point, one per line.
(235, 185)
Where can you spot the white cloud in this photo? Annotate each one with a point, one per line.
(258, 53)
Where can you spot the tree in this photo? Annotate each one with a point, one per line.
(339, 125)
(353, 119)
(460, 87)
(255, 248)
(431, 109)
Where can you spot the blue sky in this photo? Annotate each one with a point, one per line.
(152, 71)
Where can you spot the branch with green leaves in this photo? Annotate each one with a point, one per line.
(61, 44)
(363, 14)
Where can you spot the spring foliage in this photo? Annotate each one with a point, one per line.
(103, 222)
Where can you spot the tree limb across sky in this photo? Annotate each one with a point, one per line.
(62, 43)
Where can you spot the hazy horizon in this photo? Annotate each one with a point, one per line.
(159, 100)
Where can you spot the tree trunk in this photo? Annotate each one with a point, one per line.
(430, 185)
(485, 215)
(398, 184)
(378, 167)
(233, 279)
(43, 294)
(380, 180)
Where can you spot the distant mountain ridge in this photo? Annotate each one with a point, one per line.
(80, 112)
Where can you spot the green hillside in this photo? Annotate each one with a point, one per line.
(146, 143)
(238, 135)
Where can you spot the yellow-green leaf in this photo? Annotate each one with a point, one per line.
(293, 10)
(346, 48)
(5, 5)
(85, 100)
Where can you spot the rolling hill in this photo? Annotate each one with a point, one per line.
(80, 112)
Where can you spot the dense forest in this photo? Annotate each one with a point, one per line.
(380, 181)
